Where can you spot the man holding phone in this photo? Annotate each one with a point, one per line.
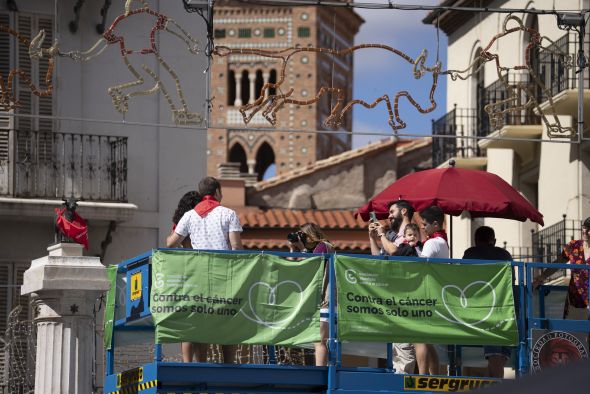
(386, 242)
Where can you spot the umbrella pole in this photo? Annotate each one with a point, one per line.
(451, 236)
(453, 351)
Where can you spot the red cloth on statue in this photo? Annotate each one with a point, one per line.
(207, 204)
(77, 229)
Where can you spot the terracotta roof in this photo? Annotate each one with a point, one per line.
(269, 244)
(403, 146)
(254, 217)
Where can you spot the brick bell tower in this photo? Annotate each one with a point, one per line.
(238, 79)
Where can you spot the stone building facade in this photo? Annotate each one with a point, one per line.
(238, 79)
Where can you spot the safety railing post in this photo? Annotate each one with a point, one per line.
(333, 351)
(522, 331)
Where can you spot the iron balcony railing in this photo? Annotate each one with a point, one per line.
(60, 165)
(549, 242)
(558, 72)
(506, 95)
(459, 122)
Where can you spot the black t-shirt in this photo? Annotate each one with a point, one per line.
(487, 253)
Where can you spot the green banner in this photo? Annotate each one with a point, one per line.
(235, 298)
(419, 302)
(109, 312)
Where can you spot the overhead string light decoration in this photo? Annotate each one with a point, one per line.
(270, 104)
(8, 98)
(515, 103)
(120, 94)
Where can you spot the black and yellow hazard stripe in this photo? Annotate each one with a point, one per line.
(137, 388)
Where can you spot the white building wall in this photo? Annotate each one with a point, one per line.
(163, 163)
(562, 177)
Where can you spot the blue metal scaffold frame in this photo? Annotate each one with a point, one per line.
(174, 377)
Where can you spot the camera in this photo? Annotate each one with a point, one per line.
(297, 236)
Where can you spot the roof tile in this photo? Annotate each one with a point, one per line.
(254, 217)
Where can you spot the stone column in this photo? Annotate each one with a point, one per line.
(238, 100)
(252, 79)
(251, 165)
(265, 79)
(64, 287)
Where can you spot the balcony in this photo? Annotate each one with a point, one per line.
(561, 79)
(48, 165)
(508, 125)
(459, 122)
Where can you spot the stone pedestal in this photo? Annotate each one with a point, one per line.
(64, 287)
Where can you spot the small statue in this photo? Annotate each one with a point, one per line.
(69, 226)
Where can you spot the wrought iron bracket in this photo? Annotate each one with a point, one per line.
(11, 5)
(103, 14)
(75, 23)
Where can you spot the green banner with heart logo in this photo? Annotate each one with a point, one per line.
(235, 298)
(420, 302)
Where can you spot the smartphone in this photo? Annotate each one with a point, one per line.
(372, 216)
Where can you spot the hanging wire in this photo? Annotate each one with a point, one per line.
(437, 38)
(204, 129)
(402, 7)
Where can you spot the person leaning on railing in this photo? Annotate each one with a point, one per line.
(188, 202)
(310, 238)
(576, 252)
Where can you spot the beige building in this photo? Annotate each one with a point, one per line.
(237, 80)
(552, 173)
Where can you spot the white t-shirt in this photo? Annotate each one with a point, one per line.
(435, 248)
(210, 232)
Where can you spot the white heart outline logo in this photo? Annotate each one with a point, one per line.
(272, 297)
(463, 301)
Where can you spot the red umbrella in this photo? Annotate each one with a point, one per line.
(455, 190)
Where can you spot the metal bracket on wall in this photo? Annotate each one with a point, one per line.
(74, 24)
(103, 13)
(11, 5)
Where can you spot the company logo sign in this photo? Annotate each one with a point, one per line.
(556, 348)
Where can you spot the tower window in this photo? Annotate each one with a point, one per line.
(303, 32)
(219, 33)
(245, 33)
(269, 32)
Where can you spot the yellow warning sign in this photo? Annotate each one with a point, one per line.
(450, 384)
(135, 286)
(127, 378)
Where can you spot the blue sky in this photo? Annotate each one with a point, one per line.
(378, 72)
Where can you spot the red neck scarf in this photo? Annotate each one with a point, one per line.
(438, 234)
(206, 205)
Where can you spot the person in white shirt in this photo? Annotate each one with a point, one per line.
(210, 227)
(435, 246)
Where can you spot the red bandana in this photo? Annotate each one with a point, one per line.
(207, 204)
(438, 234)
(76, 230)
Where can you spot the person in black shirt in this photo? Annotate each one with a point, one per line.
(485, 249)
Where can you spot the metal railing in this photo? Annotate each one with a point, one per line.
(549, 242)
(459, 122)
(59, 165)
(506, 94)
(552, 69)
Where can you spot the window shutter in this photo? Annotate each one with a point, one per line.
(23, 62)
(45, 106)
(6, 121)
